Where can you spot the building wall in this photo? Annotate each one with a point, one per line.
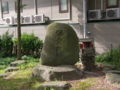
(92, 6)
(104, 35)
(39, 30)
(49, 8)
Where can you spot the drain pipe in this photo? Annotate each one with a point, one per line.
(84, 19)
(35, 7)
(1, 15)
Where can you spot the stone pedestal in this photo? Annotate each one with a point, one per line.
(88, 62)
(52, 73)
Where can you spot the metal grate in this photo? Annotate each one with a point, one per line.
(111, 13)
(27, 19)
(8, 20)
(38, 18)
(92, 14)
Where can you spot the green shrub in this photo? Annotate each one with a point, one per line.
(29, 44)
(112, 57)
(6, 44)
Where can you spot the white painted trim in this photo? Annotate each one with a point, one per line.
(69, 12)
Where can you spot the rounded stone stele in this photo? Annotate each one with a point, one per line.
(60, 46)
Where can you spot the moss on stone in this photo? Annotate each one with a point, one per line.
(60, 45)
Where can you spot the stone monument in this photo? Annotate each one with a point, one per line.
(59, 54)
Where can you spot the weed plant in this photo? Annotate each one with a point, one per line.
(84, 84)
(112, 57)
(30, 44)
(5, 62)
(21, 79)
(6, 44)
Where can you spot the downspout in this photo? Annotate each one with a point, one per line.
(102, 5)
(95, 5)
(1, 15)
(69, 12)
(35, 7)
(84, 19)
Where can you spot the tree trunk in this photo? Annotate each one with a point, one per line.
(19, 31)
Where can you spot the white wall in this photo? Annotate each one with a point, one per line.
(48, 7)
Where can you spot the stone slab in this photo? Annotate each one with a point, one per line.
(52, 73)
(9, 69)
(56, 85)
(106, 65)
(111, 71)
(18, 62)
(5, 74)
(113, 79)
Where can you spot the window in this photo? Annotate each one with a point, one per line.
(21, 9)
(5, 8)
(63, 6)
(112, 3)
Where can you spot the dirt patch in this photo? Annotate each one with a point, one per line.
(99, 81)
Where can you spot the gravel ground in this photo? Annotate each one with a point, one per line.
(99, 81)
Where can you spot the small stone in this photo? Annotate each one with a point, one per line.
(62, 72)
(78, 65)
(111, 71)
(106, 65)
(5, 74)
(113, 79)
(9, 69)
(18, 62)
(56, 85)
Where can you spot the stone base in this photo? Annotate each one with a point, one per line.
(56, 85)
(52, 73)
(88, 63)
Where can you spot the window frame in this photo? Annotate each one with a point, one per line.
(7, 8)
(21, 9)
(63, 11)
(115, 6)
